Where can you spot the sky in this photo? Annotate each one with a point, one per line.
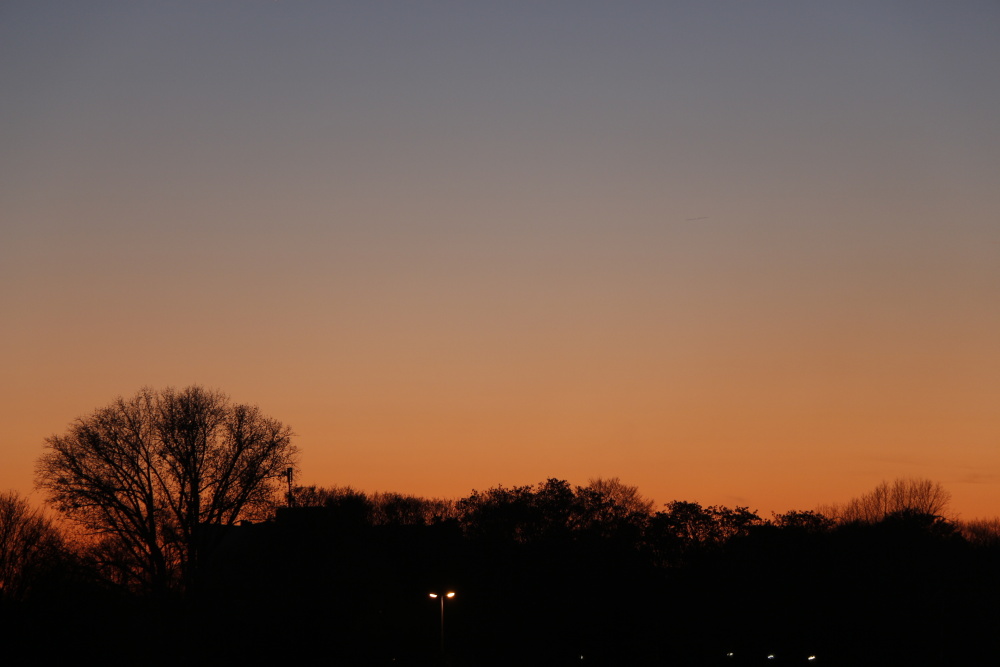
(733, 253)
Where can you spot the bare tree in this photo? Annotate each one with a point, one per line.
(323, 496)
(29, 543)
(921, 496)
(378, 508)
(621, 495)
(398, 509)
(159, 473)
(982, 532)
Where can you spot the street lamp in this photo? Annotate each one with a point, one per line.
(449, 594)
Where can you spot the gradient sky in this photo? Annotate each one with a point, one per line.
(732, 252)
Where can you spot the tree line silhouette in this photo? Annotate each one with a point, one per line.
(545, 574)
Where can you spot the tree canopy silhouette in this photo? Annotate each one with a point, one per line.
(29, 544)
(156, 474)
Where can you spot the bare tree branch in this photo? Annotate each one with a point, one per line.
(153, 470)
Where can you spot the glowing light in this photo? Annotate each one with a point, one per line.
(434, 595)
(450, 595)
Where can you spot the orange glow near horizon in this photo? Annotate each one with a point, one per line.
(743, 258)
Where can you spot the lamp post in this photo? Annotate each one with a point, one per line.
(449, 594)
